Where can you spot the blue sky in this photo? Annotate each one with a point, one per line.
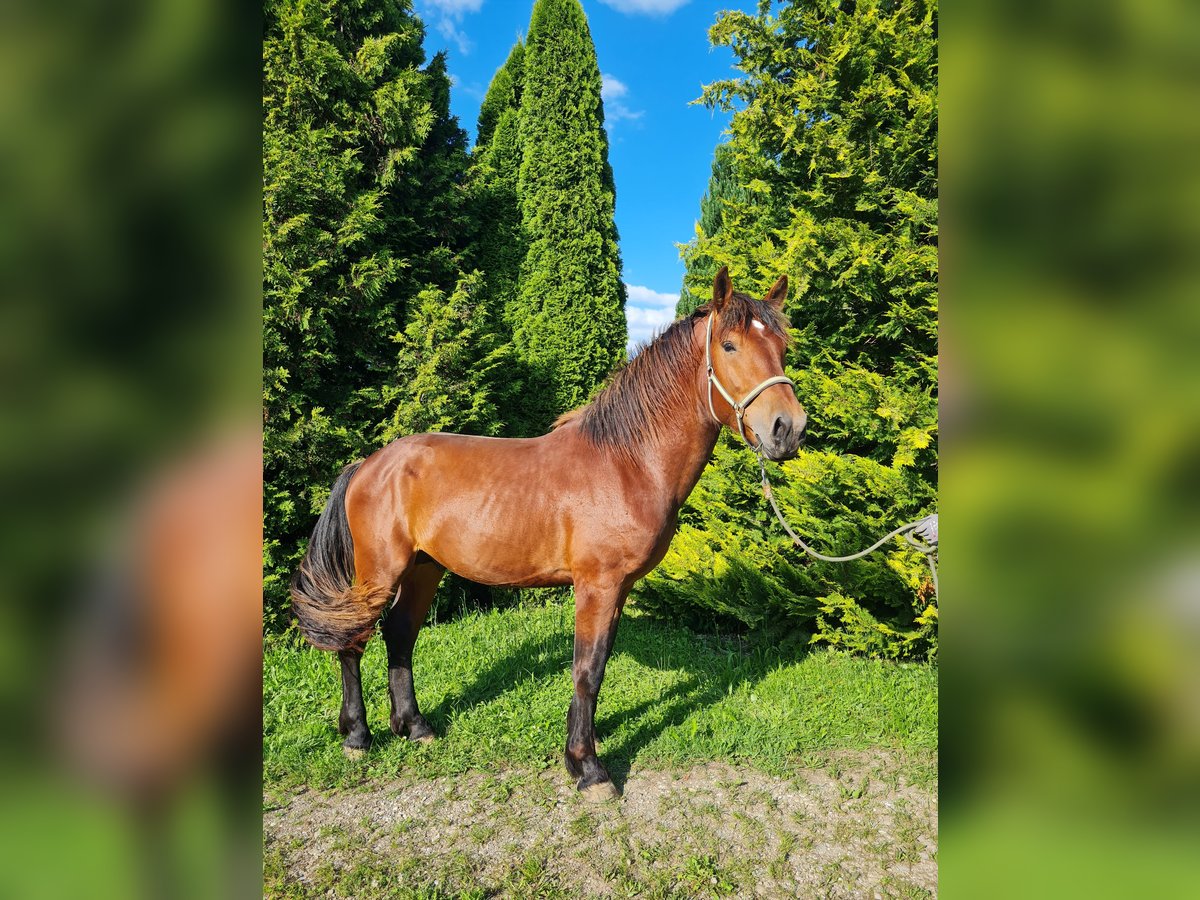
(654, 57)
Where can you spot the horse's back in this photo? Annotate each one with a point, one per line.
(510, 511)
(495, 510)
(449, 458)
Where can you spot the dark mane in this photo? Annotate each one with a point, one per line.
(629, 408)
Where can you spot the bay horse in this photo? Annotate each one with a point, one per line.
(592, 503)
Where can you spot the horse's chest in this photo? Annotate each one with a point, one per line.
(642, 542)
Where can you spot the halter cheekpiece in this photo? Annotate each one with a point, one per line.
(739, 409)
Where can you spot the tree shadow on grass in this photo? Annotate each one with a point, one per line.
(712, 666)
(670, 709)
(535, 658)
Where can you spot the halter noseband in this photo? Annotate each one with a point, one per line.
(739, 409)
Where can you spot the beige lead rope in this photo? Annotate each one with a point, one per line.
(922, 535)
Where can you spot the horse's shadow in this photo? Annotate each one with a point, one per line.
(536, 658)
(707, 679)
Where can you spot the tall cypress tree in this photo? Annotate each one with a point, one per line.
(503, 95)
(362, 210)
(496, 161)
(571, 320)
(500, 244)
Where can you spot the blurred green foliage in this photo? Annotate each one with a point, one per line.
(128, 257)
(130, 170)
(829, 176)
(1071, 399)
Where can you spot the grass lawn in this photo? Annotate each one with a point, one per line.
(495, 688)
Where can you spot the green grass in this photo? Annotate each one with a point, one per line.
(495, 687)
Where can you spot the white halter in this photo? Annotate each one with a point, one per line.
(739, 409)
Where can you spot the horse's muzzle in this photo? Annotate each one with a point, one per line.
(787, 437)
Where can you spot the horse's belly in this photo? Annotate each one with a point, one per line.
(517, 550)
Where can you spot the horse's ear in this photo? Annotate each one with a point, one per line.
(722, 288)
(778, 293)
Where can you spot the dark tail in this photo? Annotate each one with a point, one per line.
(333, 612)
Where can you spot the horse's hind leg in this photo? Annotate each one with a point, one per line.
(400, 627)
(597, 611)
(376, 566)
(352, 719)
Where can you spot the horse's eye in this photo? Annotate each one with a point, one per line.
(729, 348)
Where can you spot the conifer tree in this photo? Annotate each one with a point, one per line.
(503, 95)
(450, 368)
(570, 324)
(833, 157)
(362, 210)
(496, 162)
(500, 242)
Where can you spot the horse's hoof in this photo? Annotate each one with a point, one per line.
(354, 753)
(601, 792)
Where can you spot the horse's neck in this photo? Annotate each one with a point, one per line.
(679, 460)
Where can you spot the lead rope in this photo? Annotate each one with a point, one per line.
(922, 535)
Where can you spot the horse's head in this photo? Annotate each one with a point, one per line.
(747, 390)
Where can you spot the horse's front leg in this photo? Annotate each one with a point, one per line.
(597, 611)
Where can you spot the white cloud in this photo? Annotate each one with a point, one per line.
(647, 312)
(613, 92)
(611, 88)
(455, 7)
(450, 31)
(449, 15)
(645, 7)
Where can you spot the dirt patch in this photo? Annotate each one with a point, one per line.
(851, 828)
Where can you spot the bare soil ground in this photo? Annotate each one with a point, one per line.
(850, 826)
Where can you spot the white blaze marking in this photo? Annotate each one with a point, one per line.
(759, 325)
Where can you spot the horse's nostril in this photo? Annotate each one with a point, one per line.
(781, 428)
